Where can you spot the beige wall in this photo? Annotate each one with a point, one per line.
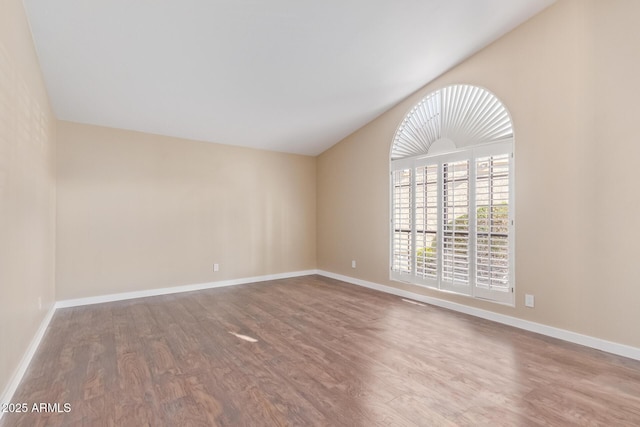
(27, 191)
(139, 211)
(569, 77)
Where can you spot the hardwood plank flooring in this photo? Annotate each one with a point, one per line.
(327, 354)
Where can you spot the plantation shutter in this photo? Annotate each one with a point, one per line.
(455, 223)
(402, 221)
(467, 115)
(452, 195)
(426, 222)
(493, 225)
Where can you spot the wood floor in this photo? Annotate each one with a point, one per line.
(328, 354)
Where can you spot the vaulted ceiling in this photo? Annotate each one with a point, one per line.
(284, 75)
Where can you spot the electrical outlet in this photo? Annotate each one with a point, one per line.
(216, 267)
(353, 263)
(529, 300)
(39, 303)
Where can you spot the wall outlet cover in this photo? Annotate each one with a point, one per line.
(529, 300)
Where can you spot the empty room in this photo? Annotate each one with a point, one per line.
(355, 213)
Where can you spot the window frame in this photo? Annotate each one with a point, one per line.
(470, 154)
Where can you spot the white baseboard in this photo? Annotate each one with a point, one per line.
(177, 289)
(11, 387)
(563, 334)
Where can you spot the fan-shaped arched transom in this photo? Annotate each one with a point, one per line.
(452, 118)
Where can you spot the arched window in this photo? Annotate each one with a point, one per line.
(452, 195)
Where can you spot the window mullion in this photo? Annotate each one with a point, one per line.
(414, 249)
(473, 212)
(440, 227)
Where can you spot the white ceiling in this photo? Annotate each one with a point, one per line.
(284, 75)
